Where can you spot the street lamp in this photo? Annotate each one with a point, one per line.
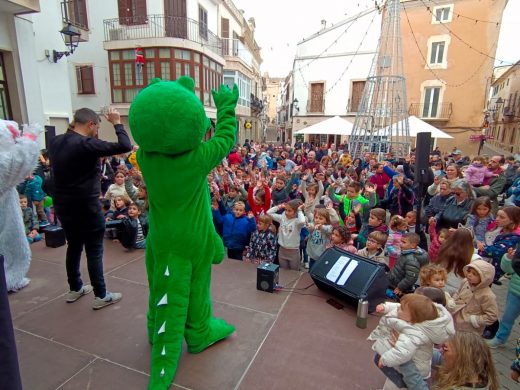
(296, 108)
(71, 36)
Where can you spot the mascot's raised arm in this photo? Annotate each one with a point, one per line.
(18, 158)
(168, 122)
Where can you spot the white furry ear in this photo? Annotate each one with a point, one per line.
(8, 132)
(34, 129)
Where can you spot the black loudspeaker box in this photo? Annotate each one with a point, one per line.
(50, 133)
(423, 172)
(351, 277)
(267, 276)
(54, 236)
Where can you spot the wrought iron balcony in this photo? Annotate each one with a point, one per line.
(233, 47)
(161, 26)
(431, 112)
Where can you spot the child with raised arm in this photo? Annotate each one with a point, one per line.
(259, 197)
(312, 194)
(291, 223)
(262, 245)
(320, 231)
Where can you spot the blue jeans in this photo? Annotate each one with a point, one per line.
(408, 375)
(412, 377)
(511, 313)
(391, 373)
(86, 229)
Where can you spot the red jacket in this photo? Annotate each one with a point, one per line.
(380, 180)
(234, 158)
(257, 209)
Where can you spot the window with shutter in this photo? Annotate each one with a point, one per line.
(132, 12)
(85, 79)
(203, 23)
(356, 94)
(224, 25)
(75, 13)
(317, 90)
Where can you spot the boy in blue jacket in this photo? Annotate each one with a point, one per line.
(36, 196)
(236, 229)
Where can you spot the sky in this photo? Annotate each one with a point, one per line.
(281, 24)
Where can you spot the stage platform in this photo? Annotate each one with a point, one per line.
(287, 340)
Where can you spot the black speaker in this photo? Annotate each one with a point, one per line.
(50, 133)
(351, 277)
(54, 236)
(267, 276)
(423, 173)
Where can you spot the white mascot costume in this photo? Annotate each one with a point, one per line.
(18, 158)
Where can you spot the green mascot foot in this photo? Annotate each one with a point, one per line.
(218, 330)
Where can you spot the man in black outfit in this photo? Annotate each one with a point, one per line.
(75, 162)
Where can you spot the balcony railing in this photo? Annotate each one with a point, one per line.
(161, 26)
(439, 112)
(234, 48)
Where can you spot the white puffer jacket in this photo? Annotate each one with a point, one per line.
(415, 341)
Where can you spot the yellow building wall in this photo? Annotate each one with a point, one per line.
(467, 77)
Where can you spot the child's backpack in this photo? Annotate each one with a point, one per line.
(127, 232)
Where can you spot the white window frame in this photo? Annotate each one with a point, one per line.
(441, 7)
(434, 39)
(440, 98)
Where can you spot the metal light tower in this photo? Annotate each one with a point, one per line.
(381, 123)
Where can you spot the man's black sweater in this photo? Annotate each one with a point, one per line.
(74, 162)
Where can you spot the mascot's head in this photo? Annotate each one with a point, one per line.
(168, 117)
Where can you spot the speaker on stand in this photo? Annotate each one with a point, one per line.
(423, 172)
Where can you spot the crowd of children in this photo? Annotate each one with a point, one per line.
(290, 204)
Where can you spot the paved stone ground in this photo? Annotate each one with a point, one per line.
(290, 340)
(504, 356)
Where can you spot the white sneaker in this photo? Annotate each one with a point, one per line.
(109, 299)
(306, 265)
(73, 296)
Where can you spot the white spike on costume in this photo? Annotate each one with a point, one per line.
(162, 329)
(164, 300)
(162, 372)
(167, 272)
(163, 353)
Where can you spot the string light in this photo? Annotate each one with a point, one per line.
(353, 56)
(469, 18)
(428, 66)
(462, 40)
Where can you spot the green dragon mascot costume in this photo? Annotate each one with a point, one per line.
(168, 123)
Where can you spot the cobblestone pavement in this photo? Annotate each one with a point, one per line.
(504, 356)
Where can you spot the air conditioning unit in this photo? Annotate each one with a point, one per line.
(117, 34)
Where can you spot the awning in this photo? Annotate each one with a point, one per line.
(335, 125)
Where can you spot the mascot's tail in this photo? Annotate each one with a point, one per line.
(180, 307)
